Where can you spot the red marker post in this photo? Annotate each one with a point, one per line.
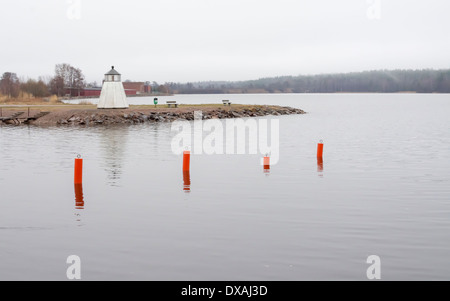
(320, 149)
(186, 171)
(78, 177)
(266, 163)
(186, 161)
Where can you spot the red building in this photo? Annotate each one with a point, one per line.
(95, 92)
(91, 92)
(130, 92)
(139, 87)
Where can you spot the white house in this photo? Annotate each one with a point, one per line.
(113, 94)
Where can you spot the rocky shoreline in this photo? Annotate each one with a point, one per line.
(139, 114)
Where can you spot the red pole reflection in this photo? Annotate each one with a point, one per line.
(187, 181)
(320, 166)
(79, 198)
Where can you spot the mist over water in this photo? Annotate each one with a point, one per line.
(382, 188)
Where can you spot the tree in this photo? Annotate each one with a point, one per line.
(57, 86)
(155, 86)
(36, 88)
(163, 89)
(10, 85)
(67, 77)
(93, 84)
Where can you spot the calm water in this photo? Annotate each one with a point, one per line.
(383, 189)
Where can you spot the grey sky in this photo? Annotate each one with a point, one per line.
(197, 40)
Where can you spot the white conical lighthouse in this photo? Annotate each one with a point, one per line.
(113, 94)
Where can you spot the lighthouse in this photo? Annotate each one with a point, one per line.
(113, 94)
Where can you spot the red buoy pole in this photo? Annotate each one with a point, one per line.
(78, 178)
(186, 160)
(266, 163)
(320, 149)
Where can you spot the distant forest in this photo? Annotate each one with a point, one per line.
(380, 81)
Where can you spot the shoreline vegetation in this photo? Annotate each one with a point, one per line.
(375, 81)
(69, 81)
(89, 115)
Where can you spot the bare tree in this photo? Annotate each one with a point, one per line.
(93, 84)
(163, 89)
(68, 77)
(56, 86)
(10, 85)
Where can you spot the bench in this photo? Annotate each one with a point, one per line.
(226, 102)
(172, 102)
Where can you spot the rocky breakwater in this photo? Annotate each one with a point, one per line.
(136, 115)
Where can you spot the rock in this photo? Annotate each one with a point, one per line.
(94, 117)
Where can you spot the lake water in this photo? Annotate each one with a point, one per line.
(382, 189)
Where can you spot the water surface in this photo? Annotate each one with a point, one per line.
(383, 189)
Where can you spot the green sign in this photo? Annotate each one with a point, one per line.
(155, 101)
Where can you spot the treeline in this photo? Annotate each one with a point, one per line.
(380, 81)
(66, 76)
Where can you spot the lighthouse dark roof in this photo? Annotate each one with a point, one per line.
(112, 72)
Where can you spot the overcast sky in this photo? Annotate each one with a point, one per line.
(200, 40)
